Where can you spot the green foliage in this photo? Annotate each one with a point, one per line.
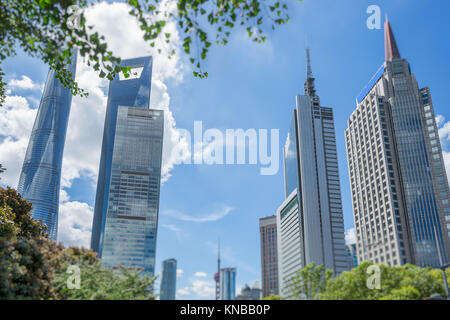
(272, 297)
(100, 283)
(27, 258)
(308, 282)
(49, 30)
(405, 282)
(32, 267)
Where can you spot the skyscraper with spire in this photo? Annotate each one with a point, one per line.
(399, 187)
(310, 224)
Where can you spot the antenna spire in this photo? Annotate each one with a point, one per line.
(309, 83)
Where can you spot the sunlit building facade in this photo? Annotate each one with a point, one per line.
(40, 177)
(398, 181)
(127, 200)
(310, 221)
(269, 256)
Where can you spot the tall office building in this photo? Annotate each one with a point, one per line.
(127, 200)
(228, 284)
(40, 178)
(168, 280)
(397, 175)
(310, 221)
(269, 257)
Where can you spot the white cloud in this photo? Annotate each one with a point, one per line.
(350, 236)
(180, 273)
(215, 215)
(25, 83)
(75, 220)
(183, 291)
(204, 288)
(16, 122)
(85, 127)
(200, 274)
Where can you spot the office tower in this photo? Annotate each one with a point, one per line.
(399, 187)
(310, 221)
(228, 284)
(269, 257)
(127, 200)
(248, 293)
(40, 177)
(352, 257)
(168, 280)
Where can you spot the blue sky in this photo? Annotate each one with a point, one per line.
(249, 86)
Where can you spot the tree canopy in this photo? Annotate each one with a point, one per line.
(407, 282)
(51, 29)
(33, 267)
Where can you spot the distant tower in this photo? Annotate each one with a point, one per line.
(269, 255)
(168, 280)
(40, 178)
(217, 275)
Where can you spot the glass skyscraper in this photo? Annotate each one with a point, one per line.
(168, 280)
(228, 284)
(397, 175)
(310, 221)
(127, 200)
(40, 177)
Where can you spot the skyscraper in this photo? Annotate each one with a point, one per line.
(168, 280)
(127, 200)
(310, 221)
(269, 257)
(40, 177)
(228, 284)
(399, 187)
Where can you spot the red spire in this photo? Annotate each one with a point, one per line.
(390, 45)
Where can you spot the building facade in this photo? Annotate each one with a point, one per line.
(398, 182)
(127, 200)
(248, 293)
(269, 256)
(40, 177)
(313, 203)
(228, 284)
(352, 256)
(168, 280)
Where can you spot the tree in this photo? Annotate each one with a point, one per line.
(100, 283)
(272, 297)
(404, 282)
(308, 282)
(33, 267)
(27, 257)
(51, 29)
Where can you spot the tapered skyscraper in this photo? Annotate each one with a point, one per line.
(127, 200)
(40, 178)
(310, 221)
(397, 175)
(168, 280)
